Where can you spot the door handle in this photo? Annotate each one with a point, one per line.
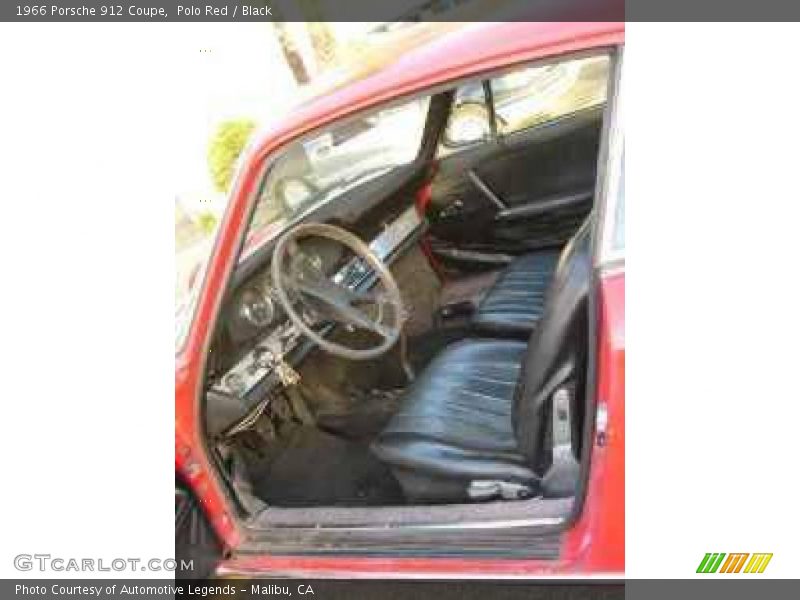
(455, 208)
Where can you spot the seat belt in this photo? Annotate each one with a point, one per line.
(561, 478)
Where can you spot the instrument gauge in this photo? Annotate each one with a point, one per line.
(256, 308)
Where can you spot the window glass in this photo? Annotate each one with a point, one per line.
(533, 96)
(311, 173)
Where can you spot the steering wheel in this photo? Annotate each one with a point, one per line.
(320, 298)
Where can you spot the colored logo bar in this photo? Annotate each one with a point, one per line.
(734, 563)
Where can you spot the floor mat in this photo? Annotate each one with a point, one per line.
(317, 469)
(368, 415)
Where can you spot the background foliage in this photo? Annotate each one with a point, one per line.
(225, 147)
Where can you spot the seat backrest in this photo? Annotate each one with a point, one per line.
(556, 354)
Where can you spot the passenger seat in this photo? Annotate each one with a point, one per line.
(514, 304)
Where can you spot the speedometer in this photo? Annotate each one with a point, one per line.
(256, 308)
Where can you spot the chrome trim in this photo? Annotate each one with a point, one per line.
(541, 521)
(486, 190)
(395, 233)
(610, 196)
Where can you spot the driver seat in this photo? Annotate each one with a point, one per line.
(474, 425)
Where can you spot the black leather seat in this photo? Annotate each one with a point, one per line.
(514, 304)
(475, 419)
(456, 419)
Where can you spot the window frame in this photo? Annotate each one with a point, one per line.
(610, 253)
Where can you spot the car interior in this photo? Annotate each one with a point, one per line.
(408, 326)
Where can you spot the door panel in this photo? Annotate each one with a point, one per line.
(555, 159)
(543, 179)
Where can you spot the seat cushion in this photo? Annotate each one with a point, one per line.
(514, 304)
(454, 425)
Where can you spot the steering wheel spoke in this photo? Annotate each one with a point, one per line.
(341, 304)
(358, 318)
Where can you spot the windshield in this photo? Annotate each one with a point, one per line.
(313, 172)
(318, 170)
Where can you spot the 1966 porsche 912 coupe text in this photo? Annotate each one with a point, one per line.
(405, 354)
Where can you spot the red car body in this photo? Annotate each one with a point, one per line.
(594, 542)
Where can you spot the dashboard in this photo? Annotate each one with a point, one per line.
(256, 324)
(256, 305)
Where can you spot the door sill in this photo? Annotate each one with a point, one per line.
(529, 529)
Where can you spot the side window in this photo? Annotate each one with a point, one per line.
(468, 123)
(534, 96)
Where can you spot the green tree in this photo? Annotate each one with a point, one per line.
(225, 146)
